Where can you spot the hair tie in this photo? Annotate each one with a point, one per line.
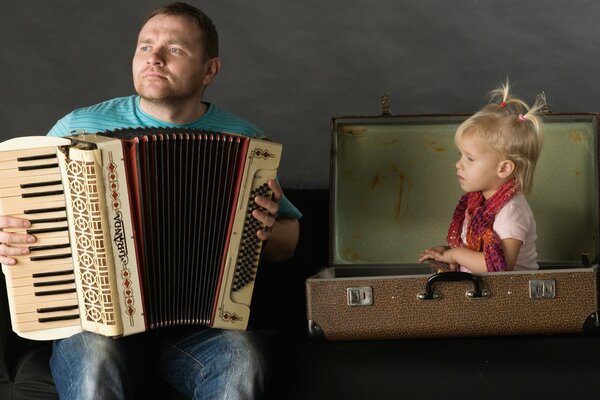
(522, 118)
(502, 104)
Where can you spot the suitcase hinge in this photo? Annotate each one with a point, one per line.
(385, 104)
(541, 98)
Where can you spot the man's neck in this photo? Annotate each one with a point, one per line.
(174, 113)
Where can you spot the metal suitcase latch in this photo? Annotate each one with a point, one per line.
(542, 289)
(360, 296)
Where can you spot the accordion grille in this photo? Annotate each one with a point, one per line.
(187, 192)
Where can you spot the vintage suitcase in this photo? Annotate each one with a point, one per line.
(393, 192)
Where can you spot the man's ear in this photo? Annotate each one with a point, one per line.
(212, 69)
(505, 168)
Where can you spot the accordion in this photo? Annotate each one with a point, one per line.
(136, 230)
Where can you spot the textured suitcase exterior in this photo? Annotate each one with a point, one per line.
(393, 191)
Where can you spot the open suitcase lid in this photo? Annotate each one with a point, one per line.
(394, 188)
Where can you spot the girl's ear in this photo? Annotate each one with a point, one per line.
(505, 168)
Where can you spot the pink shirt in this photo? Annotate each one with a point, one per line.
(515, 221)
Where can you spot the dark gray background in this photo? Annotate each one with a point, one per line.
(289, 66)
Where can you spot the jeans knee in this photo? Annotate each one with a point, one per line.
(86, 350)
(87, 363)
(215, 364)
(247, 351)
(247, 361)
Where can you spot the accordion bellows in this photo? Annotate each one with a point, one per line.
(159, 225)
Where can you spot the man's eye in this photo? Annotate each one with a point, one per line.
(175, 50)
(145, 48)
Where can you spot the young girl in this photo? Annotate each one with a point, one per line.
(493, 228)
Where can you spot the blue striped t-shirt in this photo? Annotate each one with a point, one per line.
(125, 112)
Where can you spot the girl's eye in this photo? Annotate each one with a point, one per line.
(465, 157)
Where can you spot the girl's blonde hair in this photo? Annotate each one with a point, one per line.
(512, 128)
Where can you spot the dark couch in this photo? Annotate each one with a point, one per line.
(532, 367)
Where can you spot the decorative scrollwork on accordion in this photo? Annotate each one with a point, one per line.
(92, 258)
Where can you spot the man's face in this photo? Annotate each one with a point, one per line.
(168, 64)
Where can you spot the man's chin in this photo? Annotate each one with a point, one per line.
(164, 99)
(153, 92)
(158, 96)
(155, 99)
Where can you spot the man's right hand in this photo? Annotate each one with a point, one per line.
(7, 238)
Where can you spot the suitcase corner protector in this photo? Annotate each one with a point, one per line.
(591, 325)
(315, 332)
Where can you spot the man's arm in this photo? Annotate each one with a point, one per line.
(281, 233)
(283, 239)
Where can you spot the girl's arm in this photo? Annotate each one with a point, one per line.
(511, 249)
(473, 260)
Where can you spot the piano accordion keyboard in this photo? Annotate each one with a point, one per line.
(41, 283)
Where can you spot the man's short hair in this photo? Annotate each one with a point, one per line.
(210, 37)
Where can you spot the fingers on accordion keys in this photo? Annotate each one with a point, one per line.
(5, 250)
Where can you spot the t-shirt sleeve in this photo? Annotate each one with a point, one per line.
(61, 128)
(287, 209)
(514, 222)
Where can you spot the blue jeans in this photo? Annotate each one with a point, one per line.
(200, 363)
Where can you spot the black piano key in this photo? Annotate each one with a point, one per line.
(42, 194)
(50, 257)
(60, 318)
(38, 157)
(54, 292)
(39, 184)
(47, 230)
(55, 309)
(54, 273)
(34, 167)
(45, 210)
(47, 220)
(53, 283)
(50, 247)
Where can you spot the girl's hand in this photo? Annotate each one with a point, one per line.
(433, 253)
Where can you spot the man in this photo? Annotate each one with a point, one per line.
(175, 59)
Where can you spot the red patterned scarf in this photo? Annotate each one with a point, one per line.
(480, 214)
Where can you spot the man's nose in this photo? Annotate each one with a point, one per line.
(156, 58)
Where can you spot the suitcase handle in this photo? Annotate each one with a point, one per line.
(453, 276)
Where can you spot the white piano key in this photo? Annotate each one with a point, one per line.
(28, 269)
(9, 182)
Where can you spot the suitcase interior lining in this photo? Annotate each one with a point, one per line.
(394, 189)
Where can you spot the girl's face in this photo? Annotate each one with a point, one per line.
(478, 166)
